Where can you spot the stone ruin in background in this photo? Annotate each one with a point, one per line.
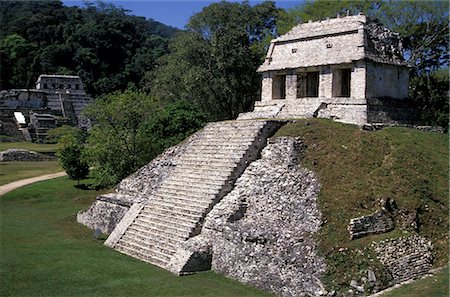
(27, 114)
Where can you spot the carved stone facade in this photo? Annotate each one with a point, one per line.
(336, 68)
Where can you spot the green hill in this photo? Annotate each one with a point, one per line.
(356, 170)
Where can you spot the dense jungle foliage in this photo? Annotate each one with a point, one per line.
(103, 44)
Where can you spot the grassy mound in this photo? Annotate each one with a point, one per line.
(45, 252)
(357, 169)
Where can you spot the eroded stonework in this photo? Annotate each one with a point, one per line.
(23, 155)
(261, 233)
(406, 257)
(109, 209)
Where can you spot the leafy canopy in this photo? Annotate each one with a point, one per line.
(131, 128)
(108, 48)
(213, 64)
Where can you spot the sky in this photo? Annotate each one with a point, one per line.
(175, 13)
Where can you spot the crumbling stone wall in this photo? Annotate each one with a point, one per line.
(262, 233)
(386, 80)
(103, 214)
(23, 155)
(382, 44)
(378, 222)
(406, 257)
(387, 110)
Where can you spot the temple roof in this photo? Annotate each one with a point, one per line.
(334, 41)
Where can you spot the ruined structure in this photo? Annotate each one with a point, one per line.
(349, 69)
(29, 113)
(226, 200)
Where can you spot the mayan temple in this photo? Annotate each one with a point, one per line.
(188, 210)
(349, 69)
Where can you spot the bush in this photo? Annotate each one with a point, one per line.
(71, 159)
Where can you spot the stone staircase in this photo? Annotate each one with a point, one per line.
(153, 231)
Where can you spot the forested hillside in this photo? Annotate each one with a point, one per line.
(185, 78)
(108, 48)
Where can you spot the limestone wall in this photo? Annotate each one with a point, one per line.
(23, 155)
(262, 233)
(22, 99)
(102, 215)
(60, 82)
(378, 222)
(384, 80)
(405, 258)
(321, 51)
(388, 110)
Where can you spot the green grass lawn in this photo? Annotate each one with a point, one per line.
(12, 171)
(356, 170)
(434, 286)
(45, 252)
(37, 147)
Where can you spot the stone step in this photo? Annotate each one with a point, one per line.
(192, 183)
(185, 196)
(162, 228)
(193, 195)
(182, 201)
(172, 213)
(216, 161)
(142, 254)
(221, 141)
(168, 220)
(170, 238)
(222, 153)
(181, 209)
(244, 125)
(206, 166)
(148, 242)
(155, 213)
(211, 167)
(218, 156)
(228, 135)
(187, 191)
(188, 197)
(204, 179)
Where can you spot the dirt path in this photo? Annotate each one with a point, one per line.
(23, 182)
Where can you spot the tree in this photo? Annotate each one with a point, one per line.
(15, 60)
(71, 159)
(322, 9)
(174, 123)
(108, 48)
(70, 152)
(213, 64)
(117, 144)
(130, 129)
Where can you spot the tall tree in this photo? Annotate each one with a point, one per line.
(131, 128)
(214, 62)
